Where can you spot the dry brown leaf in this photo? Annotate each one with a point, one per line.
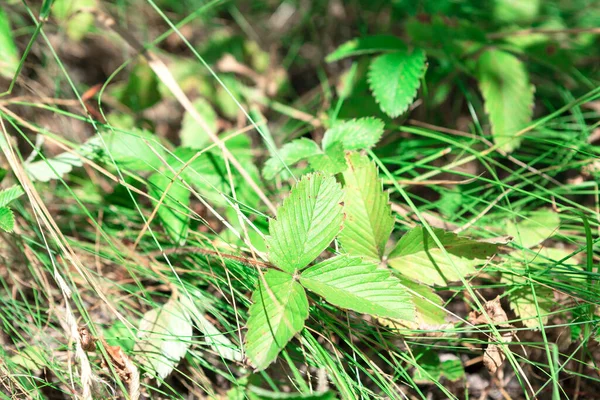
(493, 313)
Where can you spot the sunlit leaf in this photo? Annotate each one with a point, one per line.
(278, 312)
(367, 45)
(417, 256)
(355, 134)
(9, 55)
(523, 296)
(361, 286)
(7, 219)
(9, 194)
(534, 228)
(138, 150)
(306, 223)
(192, 134)
(369, 220)
(173, 212)
(164, 337)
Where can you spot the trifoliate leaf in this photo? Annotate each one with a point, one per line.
(534, 228)
(306, 223)
(138, 150)
(290, 154)
(367, 45)
(192, 134)
(361, 286)
(9, 194)
(332, 161)
(278, 313)
(356, 134)
(7, 219)
(173, 211)
(417, 256)
(508, 96)
(394, 79)
(9, 55)
(164, 337)
(369, 220)
(522, 300)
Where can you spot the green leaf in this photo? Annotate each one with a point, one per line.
(7, 219)
(57, 167)
(333, 161)
(430, 368)
(354, 284)
(117, 334)
(536, 227)
(508, 96)
(212, 336)
(9, 194)
(75, 16)
(141, 91)
(173, 212)
(394, 79)
(366, 45)
(417, 256)
(428, 306)
(278, 313)
(257, 393)
(164, 337)
(522, 300)
(369, 220)
(192, 134)
(306, 223)
(290, 154)
(356, 134)
(138, 151)
(516, 11)
(9, 55)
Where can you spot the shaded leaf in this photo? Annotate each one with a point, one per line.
(164, 336)
(192, 135)
(7, 219)
(306, 223)
(417, 256)
(9, 194)
(394, 79)
(9, 55)
(367, 45)
(290, 154)
(536, 227)
(213, 337)
(278, 313)
(508, 96)
(173, 212)
(354, 284)
(369, 220)
(522, 300)
(141, 91)
(331, 162)
(356, 134)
